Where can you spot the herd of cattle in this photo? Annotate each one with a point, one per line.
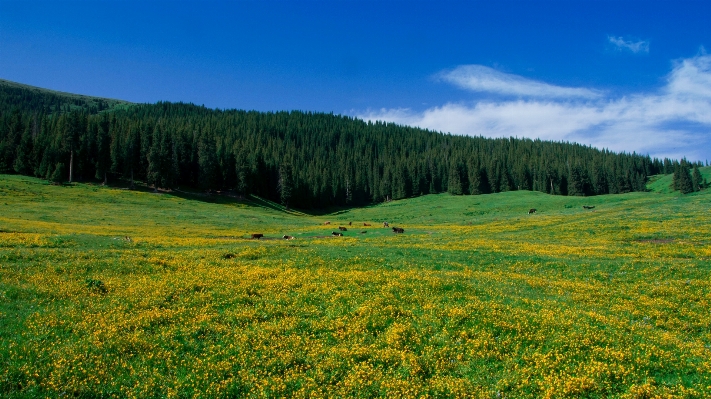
(396, 230)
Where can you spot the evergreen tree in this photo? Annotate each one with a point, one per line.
(696, 179)
(454, 182)
(207, 161)
(59, 175)
(154, 161)
(685, 182)
(23, 158)
(103, 150)
(476, 181)
(576, 185)
(242, 173)
(399, 185)
(285, 184)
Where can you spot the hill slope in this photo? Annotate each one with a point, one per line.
(152, 294)
(663, 183)
(38, 100)
(306, 160)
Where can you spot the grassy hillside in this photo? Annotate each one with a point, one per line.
(109, 292)
(662, 183)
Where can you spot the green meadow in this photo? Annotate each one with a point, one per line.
(107, 292)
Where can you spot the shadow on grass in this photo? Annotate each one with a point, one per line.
(190, 194)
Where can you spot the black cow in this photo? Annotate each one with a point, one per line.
(532, 210)
(257, 236)
(398, 230)
(342, 228)
(337, 234)
(385, 224)
(288, 237)
(588, 207)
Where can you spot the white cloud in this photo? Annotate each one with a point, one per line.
(675, 121)
(484, 79)
(641, 46)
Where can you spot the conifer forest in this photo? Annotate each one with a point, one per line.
(300, 159)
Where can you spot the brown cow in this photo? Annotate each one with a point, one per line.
(326, 222)
(342, 228)
(257, 236)
(366, 224)
(532, 210)
(337, 234)
(398, 230)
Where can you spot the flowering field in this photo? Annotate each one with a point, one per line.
(114, 293)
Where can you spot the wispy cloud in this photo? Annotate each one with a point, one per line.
(641, 46)
(484, 79)
(673, 121)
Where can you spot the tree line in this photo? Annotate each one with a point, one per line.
(686, 181)
(302, 159)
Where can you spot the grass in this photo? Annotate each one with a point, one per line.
(662, 183)
(115, 293)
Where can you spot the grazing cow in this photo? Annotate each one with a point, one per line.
(350, 223)
(364, 231)
(288, 237)
(385, 224)
(337, 234)
(342, 228)
(532, 210)
(588, 207)
(326, 222)
(398, 230)
(257, 236)
(366, 224)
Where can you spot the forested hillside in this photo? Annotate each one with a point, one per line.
(301, 159)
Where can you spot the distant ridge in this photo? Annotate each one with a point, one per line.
(46, 100)
(298, 159)
(57, 92)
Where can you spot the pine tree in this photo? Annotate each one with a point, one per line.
(600, 185)
(242, 172)
(154, 162)
(399, 187)
(454, 182)
(285, 184)
(23, 159)
(475, 181)
(575, 181)
(168, 174)
(207, 161)
(696, 179)
(59, 174)
(103, 151)
(685, 183)
(349, 191)
(676, 177)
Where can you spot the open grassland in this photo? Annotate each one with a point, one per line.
(116, 293)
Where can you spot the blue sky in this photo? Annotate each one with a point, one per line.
(628, 76)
